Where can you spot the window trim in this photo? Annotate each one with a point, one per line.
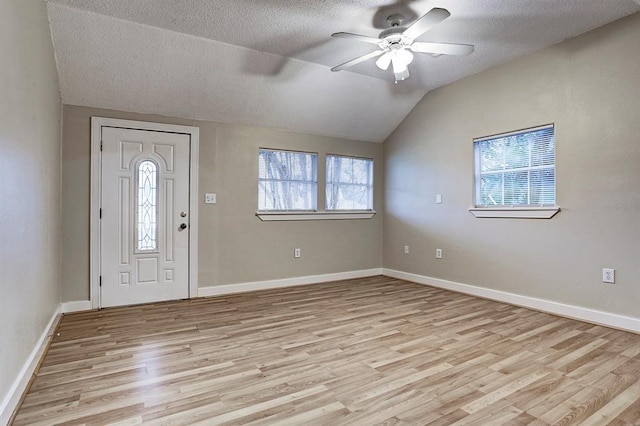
(278, 216)
(514, 212)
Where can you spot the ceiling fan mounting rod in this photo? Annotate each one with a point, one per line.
(395, 20)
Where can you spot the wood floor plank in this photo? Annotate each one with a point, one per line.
(616, 406)
(355, 352)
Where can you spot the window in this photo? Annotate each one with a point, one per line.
(516, 169)
(349, 183)
(287, 180)
(147, 206)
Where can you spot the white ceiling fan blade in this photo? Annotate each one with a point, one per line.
(357, 60)
(358, 37)
(384, 61)
(442, 48)
(426, 22)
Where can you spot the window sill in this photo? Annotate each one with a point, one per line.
(516, 212)
(326, 215)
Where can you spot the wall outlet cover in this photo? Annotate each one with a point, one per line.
(608, 275)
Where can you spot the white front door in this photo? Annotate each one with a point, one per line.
(144, 226)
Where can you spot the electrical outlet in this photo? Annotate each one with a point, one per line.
(297, 253)
(406, 249)
(438, 253)
(608, 275)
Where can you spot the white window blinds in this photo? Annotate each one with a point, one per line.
(349, 183)
(516, 169)
(287, 180)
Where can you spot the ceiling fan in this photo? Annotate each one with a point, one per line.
(397, 43)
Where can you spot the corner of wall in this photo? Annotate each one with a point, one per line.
(21, 384)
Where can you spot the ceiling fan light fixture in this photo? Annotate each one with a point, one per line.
(384, 61)
(403, 56)
(398, 66)
(402, 75)
(400, 59)
(400, 70)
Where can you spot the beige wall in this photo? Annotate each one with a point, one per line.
(30, 189)
(590, 88)
(234, 245)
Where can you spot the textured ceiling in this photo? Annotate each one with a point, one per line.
(266, 63)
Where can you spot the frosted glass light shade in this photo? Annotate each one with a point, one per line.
(384, 61)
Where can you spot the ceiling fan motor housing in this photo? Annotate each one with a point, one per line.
(394, 40)
(391, 31)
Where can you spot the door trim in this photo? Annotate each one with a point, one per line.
(97, 123)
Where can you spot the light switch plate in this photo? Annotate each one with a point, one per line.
(438, 198)
(209, 198)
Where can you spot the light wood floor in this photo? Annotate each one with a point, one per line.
(359, 352)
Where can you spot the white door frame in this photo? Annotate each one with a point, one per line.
(96, 164)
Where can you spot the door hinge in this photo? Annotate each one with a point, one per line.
(100, 145)
(101, 213)
(100, 281)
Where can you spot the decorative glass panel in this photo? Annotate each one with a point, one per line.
(147, 206)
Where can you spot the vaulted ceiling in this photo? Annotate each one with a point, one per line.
(267, 63)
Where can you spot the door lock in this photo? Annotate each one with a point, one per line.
(183, 214)
(183, 226)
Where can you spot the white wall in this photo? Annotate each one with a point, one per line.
(589, 87)
(29, 185)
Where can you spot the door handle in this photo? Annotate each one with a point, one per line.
(183, 226)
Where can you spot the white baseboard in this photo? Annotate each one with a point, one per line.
(12, 398)
(85, 305)
(570, 311)
(75, 306)
(286, 282)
